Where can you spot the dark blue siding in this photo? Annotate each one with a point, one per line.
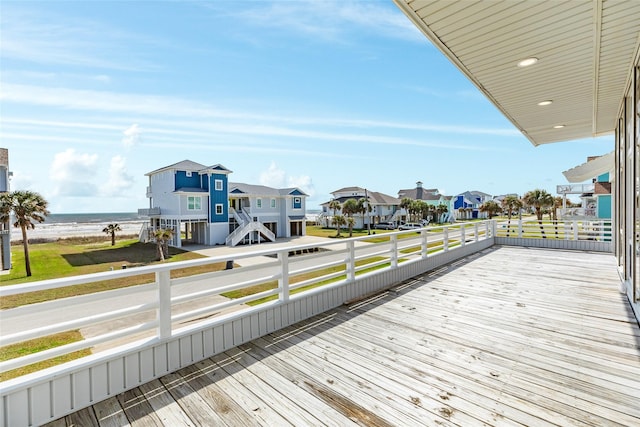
(219, 197)
(182, 180)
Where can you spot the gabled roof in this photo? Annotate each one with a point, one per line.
(263, 190)
(350, 189)
(217, 168)
(377, 198)
(412, 193)
(185, 165)
(591, 169)
(584, 51)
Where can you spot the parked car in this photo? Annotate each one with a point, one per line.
(409, 226)
(385, 226)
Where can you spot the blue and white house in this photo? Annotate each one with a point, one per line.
(200, 204)
(467, 204)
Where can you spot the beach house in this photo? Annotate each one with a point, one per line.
(595, 195)
(431, 196)
(200, 204)
(383, 207)
(470, 327)
(467, 205)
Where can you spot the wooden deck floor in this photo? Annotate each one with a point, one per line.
(511, 336)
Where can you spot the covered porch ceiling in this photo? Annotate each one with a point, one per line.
(585, 51)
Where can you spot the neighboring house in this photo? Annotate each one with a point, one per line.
(431, 196)
(467, 205)
(595, 196)
(203, 207)
(384, 208)
(5, 227)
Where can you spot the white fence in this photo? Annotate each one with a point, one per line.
(583, 235)
(195, 317)
(174, 322)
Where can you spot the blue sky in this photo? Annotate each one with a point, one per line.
(318, 95)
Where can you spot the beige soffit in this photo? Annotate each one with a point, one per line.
(591, 169)
(585, 51)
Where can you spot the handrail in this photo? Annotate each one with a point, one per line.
(287, 274)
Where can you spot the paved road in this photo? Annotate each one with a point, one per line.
(57, 311)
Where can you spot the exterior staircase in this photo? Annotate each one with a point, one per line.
(246, 226)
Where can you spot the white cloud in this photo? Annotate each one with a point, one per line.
(304, 183)
(118, 179)
(131, 136)
(277, 178)
(71, 174)
(21, 181)
(337, 20)
(273, 177)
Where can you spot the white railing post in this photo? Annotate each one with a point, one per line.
(463, 237)
(394, 251)
(351, 261)
(566, 230)
(475, 228)
(163, 279)
(425, 245)
(575, 231)
(283, 281)
(490, 231)
(445, 239)
(520, 228)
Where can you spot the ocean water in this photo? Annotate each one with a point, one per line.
(58, 226)
(88, 218)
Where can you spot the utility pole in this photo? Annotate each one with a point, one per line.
(366, 197)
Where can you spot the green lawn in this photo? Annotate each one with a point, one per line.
(72, 257)
(37, 345)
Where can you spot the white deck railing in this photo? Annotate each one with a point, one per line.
(175, 322)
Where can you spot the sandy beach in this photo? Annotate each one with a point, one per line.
(62, 230)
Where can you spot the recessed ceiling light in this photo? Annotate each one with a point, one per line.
(547, 102)
(558, 126)
(527, 61)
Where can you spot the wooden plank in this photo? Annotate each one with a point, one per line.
(138, 411)
(221, 383)
(261, 388)
(289, 387)
(202, 411)
(223, 407)
(164, 405)
(83, 418)
(110, 414)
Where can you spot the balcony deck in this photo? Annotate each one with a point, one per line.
(509, 336)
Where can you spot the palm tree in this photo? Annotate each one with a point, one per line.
(405, 204)
(27, 207)
(349, 208)
(364, 208)
(490, 207)
(350, 222)
(336, 206)
(111, 230)
(511, 204)
(538, 200)
(557, 203)
(162, 237)
(441, 209)
(339, 220)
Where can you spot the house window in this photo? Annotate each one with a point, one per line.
(194, 203)
(188, 174)
(218, 184)
(219, 209)
(273, 203)
(297, 202)
(259, 203)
